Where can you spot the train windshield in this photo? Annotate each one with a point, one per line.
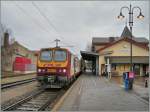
(46, 55)
(60, 55)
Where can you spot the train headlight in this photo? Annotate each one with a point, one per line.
(39, 70)
(43, 70)
(64, 70)
(59, 70)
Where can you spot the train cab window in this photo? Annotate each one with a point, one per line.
(46, 55)
(60, 55)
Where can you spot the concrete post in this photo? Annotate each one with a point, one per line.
(108, 69)
(141, 70)
(97, 65)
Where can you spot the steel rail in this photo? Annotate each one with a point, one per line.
(37, 101)
(12, 84)
(14, 105)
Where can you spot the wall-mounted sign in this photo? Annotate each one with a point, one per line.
(124, 50)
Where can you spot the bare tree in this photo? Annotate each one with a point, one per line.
(2, 30)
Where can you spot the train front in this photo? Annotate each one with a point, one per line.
(52, 67)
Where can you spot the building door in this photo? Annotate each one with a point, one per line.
(144, 70)
(137, 69)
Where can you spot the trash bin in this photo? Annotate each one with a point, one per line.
(126, 80)
(131, 79)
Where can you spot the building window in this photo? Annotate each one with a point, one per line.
(113, 66)
(117, 67)
(137, 69)
(122, 67)
(127, 67)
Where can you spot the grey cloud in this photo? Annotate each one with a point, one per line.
(76, 21)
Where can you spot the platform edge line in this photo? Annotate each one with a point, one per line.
(59, 102)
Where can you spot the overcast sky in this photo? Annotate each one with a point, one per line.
(37, 24)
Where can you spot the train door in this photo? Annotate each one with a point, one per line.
(72, 69)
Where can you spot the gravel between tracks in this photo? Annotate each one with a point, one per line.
(15, 99)
(14, 92)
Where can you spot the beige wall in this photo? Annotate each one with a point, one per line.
(25, 52)
(9, 54)
(121, 68)
(123, 49)
(21, 50)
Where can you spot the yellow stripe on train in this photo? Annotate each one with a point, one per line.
(52, 64)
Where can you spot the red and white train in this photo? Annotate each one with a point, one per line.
(57, 67)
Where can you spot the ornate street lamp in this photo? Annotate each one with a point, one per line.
(140, 16)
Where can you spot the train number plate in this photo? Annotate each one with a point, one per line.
(51, 78)
(51, 70)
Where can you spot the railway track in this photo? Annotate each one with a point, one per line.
(37, 101)
(12, 84)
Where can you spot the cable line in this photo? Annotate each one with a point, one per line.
(34, 20)
(48, 21)
(45, 17)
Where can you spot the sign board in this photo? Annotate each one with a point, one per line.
(124, 50)
(131, 74)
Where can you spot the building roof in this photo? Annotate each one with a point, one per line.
(97, 40)
(88, 55)
(141, 39)
(125, 34)
(124, 39)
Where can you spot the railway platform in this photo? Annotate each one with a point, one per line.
(93, 93)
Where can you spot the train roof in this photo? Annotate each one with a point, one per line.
(50, 48)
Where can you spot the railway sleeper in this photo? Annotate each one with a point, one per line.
(35, 103)
(31, 105)
(27, 109)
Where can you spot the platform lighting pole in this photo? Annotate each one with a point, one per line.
(121, 16)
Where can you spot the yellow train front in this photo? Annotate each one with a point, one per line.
(57, 67)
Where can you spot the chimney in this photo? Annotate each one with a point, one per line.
(111, 39)
(6, 39)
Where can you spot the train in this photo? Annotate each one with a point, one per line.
(57, 67)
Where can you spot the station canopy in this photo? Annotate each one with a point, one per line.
(86, 55)
(126, 59)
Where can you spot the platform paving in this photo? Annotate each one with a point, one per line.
(93, 93)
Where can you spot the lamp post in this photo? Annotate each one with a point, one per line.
(140, 16)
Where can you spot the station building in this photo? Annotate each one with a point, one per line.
(115, 52)
(11, 51)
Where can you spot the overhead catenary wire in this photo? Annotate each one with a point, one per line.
(28, 15)
(47, 19)
(72, 47)
(67, 44)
